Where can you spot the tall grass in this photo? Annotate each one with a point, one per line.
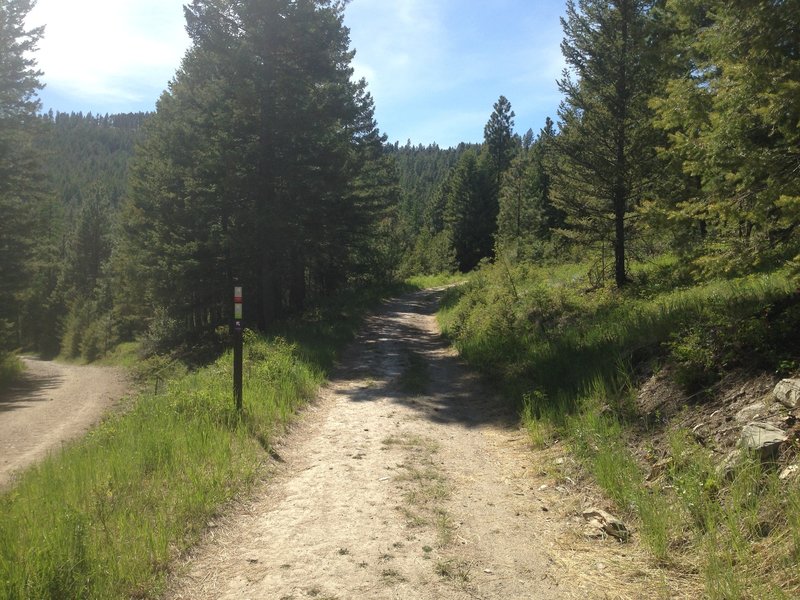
(10, 369)
(107, 516)
(567, 356)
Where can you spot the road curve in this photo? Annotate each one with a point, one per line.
(52, 403)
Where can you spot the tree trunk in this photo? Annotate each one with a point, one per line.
(620, 277)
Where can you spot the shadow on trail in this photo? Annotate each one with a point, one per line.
(28, 389)
(373, 368)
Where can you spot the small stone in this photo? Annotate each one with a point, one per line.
(606, 523)
(789, 472)
(543, 487)
(787, 392)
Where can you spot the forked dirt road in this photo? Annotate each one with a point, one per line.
(403, 480)
(50, 405)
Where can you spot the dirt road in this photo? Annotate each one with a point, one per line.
(404, 480)
(51, 404)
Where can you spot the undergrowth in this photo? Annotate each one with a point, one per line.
(10, 369)
(107, 516)
(569, 355)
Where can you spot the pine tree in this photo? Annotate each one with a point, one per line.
(498, 136)
(470, 211)
(261, 165)
(526, 217)
(731, 111)
(605, 151)
(20, 188)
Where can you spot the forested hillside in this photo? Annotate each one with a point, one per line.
(263, 164)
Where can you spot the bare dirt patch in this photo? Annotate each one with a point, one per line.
(406, 479)
(51, 404)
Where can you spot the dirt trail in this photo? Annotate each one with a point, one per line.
(381, 492)
(51, 404)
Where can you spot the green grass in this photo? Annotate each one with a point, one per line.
(107, 516)
(567, 355)
(430, 281)
(10, 369)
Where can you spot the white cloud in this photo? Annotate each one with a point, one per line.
(111, 51)
(398, 42)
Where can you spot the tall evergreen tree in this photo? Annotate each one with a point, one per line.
(20, 189)
(527, 217)
(731, 111)
(258, 166)
(498, 137)
(605, 150)
(470, 211)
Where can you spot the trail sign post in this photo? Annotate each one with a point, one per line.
(237, 347)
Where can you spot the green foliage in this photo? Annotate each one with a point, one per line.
(605, 152)
(730, 111)
(527, 216)
(20, 186)
(10, 369)
(262, 165)
(431, 255)
(498, 137)
(566, 356)
(735, 332)
(421, 170)
(470, 210)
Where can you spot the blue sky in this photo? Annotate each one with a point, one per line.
(434, 67)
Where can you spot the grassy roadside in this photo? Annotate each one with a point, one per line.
(107, 516)
(572, 358)
(10, 369)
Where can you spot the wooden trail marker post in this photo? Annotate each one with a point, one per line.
(237, 347)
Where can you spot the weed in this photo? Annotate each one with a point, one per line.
(10, 369)
(455, 570)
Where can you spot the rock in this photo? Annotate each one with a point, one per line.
(763, 439)
(787, 392)
(600, 523)
(789, 472)
(748, 413)
(726, 469)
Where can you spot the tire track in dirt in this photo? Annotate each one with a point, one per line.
(51, 404)
(382, 493)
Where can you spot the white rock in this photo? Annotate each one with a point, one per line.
(763, 439)
(606, 523)
(787, 392)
